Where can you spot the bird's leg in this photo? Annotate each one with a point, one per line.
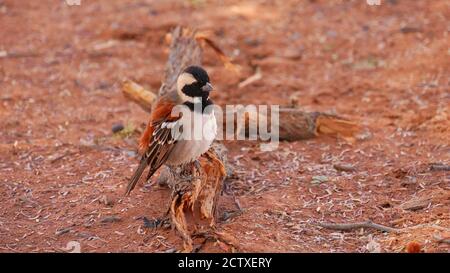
(184, 174)
(196, 166)
(161, 222)
(189, 171)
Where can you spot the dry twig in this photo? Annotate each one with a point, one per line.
(350, 226)
(439, 167)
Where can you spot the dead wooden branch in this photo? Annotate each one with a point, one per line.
(439, 167)
(351, 226)
(416, 204)
(441, 240)
(184, 51)
(138, 94)
(293, 125)
(4, 54)
(203, 37)
(344, 167)
(255, 77)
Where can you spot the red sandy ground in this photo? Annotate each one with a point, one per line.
(386, 67)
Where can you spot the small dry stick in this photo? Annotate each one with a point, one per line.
(439, 167)
(445, 241)
(344, 167)
(440, 240)
(350, 226)
(4, 54)
(59, 157)
(255, 77)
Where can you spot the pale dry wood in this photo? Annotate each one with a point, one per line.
(193, 207)
(204, 38)
(351, 226)
(184, 51)
(138, 94)
(439, 167)
(255, 77)
(416, 204)
(344, 167)
(441, 240)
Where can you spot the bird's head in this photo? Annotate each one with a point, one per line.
(193, 84)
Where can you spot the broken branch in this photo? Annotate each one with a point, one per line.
(350, 226)
(138, 94)
(293, 124)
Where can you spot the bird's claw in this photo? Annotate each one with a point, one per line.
(196, 168)
(197, 165)
(156, 223)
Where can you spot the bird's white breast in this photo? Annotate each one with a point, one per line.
(199, 131)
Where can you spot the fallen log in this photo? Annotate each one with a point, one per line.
(294, 124)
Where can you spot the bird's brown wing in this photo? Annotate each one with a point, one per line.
(161, 113)
(160, 136)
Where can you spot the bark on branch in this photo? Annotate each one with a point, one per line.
(350, 226)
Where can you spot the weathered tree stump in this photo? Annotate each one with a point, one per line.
(194, 198)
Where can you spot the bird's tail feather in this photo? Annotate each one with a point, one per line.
(137, 174)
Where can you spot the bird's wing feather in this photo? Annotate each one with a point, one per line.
(157, 141)
(161, 113)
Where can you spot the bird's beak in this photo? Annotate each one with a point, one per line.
(207, 87)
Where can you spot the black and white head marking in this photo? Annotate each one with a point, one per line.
(193, 85)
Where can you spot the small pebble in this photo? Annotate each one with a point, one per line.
(117, 127)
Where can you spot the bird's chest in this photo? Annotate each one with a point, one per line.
(199, 126)
(199, 131)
